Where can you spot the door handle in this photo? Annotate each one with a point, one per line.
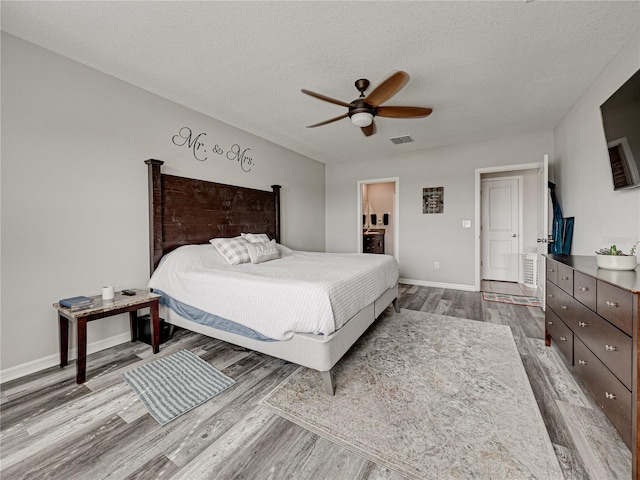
(514, 235)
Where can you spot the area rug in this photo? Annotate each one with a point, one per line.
(175, 384)
(429, 397)
(511, 299)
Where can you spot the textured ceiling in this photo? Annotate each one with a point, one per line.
(488, 69)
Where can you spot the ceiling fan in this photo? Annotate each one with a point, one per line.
(363, 109)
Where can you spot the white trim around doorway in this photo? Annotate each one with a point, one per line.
(478, 186)
(520, 181)
(396, 213)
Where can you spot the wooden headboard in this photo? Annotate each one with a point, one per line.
(186, 211)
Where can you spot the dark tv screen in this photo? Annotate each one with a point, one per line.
(621, 122)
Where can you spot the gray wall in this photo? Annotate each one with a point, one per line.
(74, 191)
(425, 239)
(581, 166)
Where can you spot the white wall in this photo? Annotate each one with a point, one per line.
(581, 166)
(74, 191)
(425, 239)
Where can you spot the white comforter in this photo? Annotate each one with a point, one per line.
(299, 292)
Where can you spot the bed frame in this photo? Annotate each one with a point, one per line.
(185, 211)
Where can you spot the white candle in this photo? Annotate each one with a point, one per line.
(107, 293)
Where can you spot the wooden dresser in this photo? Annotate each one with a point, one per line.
(592, 315)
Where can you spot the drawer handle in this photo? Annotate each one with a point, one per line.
(564, 278)
(564, 339)
(551, 295)
(611, 304)
(582, 324)
(583, 289)
(611, 348)
(551, 270)
(610, 396)
(550, 322)
(582, 362)
(564, 307)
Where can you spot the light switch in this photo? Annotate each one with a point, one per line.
(466, 223)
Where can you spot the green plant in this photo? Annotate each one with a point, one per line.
(613, 250)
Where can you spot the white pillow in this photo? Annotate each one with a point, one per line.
(234, 250)
(255, 237)
(263, 251)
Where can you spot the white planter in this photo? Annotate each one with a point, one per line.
(617, 262)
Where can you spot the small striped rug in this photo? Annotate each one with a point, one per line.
(511, 299)
(175, 384)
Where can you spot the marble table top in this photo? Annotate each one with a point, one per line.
(119, 301)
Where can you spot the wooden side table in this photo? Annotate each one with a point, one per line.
(102, 309)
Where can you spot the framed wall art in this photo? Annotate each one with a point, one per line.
(433, 200)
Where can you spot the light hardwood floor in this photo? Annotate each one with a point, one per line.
(53, 428)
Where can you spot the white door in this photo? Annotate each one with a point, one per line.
(543, 226)
(500, 229)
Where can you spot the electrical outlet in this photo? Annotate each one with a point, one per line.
(436, 265)
(466, 224)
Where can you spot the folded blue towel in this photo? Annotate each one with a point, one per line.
(75, 301)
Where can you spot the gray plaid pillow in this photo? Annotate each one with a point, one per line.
(234, 250)
(255, 237)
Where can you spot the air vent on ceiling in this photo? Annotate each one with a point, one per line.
(403, 139)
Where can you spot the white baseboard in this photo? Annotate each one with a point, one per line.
(424, 283)
(34, 366)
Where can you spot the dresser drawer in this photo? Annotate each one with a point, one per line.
(373, 243)
(552, 271)
(561, 334)
(371, 248)
(565, 278)
(608, 392)
(584, 289)
(564, 305)
(616, 305)
(609, 344)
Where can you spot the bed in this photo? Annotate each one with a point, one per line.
(185, 214)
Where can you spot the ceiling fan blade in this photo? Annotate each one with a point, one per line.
(387, 89)
(370, 130)
(326, 99)
(329, 121)
(403, 112)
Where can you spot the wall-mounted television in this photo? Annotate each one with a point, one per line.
(621, 122)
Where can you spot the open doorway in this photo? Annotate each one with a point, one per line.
(378, 229)
(507, 200)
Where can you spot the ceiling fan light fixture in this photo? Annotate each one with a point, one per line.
(362, 119)
(363, 109)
